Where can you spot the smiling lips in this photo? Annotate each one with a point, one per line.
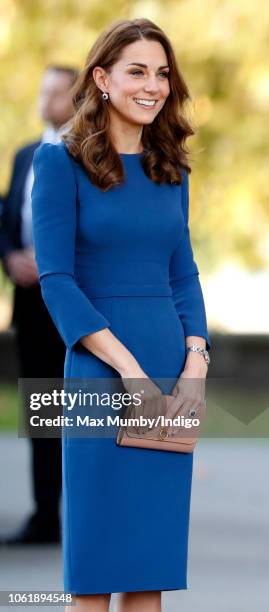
(145, 103)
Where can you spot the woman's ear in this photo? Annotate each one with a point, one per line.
(100, 77)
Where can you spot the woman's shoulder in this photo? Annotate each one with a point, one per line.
(51, 151)
(52, 163)
(53, 158)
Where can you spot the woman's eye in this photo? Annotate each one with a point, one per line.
(139, 72)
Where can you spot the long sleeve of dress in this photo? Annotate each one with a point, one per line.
(54, 233)
(184, 279)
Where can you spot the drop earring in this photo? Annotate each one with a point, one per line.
(105, 95)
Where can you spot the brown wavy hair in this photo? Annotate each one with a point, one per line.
(88, 136)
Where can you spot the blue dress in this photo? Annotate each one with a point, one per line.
(120, 259)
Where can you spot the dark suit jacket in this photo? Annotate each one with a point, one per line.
(10, 229)
(10, 213)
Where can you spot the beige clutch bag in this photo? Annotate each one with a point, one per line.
(165, 422)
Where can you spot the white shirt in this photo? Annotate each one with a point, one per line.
(49, 135)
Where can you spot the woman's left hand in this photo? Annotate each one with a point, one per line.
(190, 386)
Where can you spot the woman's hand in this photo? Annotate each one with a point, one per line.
(132, 369)
(136, 381)
(190, 386)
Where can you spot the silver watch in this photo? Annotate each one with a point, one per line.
(197, 349)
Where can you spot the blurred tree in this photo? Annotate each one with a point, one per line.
(222, 49)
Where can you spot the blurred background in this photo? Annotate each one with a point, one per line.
(222, 49)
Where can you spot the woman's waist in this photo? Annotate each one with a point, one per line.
(125, 289)
(123, 278)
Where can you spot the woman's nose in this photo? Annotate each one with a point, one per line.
(151, 85)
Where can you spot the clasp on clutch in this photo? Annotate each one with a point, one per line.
(163, 433)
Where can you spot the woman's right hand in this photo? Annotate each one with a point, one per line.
(135, 380)
(133, 370)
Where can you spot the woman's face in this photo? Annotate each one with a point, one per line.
(138, 83)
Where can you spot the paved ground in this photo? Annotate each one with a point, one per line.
(229, 529)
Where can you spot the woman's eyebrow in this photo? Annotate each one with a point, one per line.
(144, 65)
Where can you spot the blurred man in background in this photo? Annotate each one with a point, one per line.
(41, 350)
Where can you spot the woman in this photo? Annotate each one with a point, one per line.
(110, 213)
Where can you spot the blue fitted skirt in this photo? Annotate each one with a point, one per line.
(125, 511)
